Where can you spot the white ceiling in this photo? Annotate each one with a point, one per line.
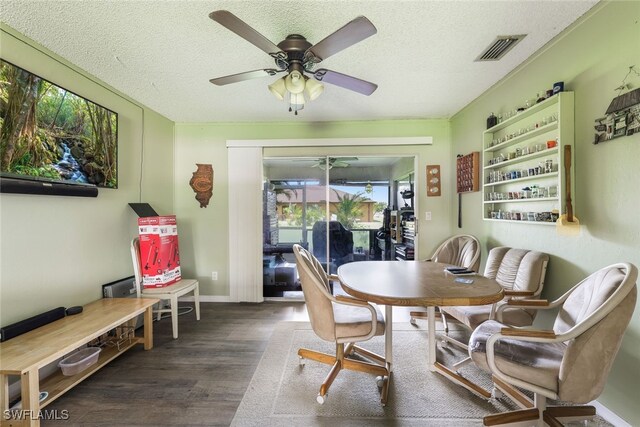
(162, 53)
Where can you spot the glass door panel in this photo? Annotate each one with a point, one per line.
(293, 202)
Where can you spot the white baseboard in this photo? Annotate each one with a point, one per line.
(609, 415)
(209, 298)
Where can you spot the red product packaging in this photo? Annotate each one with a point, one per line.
(159, 252)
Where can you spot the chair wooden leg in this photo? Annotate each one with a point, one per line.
(340, 362)
(571, 411)
(550, 420)
(518, 397)
(511, 417)
(333, 373)
(460, 380)
(196, 299)
(174, 316)
(567, 413)
(539, 414)
(368, 354)
(327, 359)
(335, 369)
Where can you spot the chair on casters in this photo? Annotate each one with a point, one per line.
(569, 363)
(463, 251)
(170, 293)
(340, 319)
(521, 273)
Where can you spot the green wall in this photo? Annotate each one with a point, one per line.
(204, 233)
(591, 58)
(58, 251)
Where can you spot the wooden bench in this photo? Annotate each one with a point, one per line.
(24, 355)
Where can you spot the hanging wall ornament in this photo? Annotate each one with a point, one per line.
(622, 118)
(202, 184)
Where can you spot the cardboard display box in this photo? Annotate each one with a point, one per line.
(159, 251)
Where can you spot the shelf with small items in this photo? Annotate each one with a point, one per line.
(521, 221)
(526, 178)
(529, 200)
(522, 157)
(536, 108)
(516, 137)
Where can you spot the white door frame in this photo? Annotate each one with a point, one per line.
(245, 212)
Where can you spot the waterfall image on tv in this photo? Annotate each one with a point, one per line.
(50, 133)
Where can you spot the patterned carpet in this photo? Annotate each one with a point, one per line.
(282, 393)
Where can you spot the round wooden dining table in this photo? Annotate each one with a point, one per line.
(417, 283)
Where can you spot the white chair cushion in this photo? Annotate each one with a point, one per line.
(353, 321)
(171, 289)
(537, 363)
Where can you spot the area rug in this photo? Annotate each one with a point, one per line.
(283, 393)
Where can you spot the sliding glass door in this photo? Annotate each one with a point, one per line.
(294, 200)
(336, 207)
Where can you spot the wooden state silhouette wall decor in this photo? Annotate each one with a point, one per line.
(202, 183)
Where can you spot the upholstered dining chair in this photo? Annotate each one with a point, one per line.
(340, 319)
(462, 250)
(169, 293)
(521, 272)
(572, 361)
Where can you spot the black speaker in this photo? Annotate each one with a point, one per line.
(25, 186)
(26, 325)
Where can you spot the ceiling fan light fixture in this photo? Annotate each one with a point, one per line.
(278, 88)
(296, 102)
(313, 89)
(294, 53)
(294, 82)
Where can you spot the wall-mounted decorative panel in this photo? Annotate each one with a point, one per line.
(467, 172)
(433, 180)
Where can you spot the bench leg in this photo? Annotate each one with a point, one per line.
(196, 298)
(30, 385)
(174, 316)
(148, 328)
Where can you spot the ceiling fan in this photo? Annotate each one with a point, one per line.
(298, 57)
(325, 163)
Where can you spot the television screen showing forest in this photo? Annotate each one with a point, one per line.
(47, 132)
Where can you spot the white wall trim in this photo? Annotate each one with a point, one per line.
(609, 415)
(330, 142)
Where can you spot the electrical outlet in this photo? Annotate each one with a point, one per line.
(214, 275)
(427, 216)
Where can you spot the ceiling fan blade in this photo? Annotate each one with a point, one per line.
(340, 164)
(241, 28)
(348, 82)
(247, 75)
(352, 33)
(342, 158)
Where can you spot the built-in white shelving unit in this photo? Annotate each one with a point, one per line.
(523, 176)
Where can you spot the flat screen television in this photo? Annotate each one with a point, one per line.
(48, 133)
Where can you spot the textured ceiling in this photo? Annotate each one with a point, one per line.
(163, 53)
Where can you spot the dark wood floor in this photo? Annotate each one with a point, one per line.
(198, 379)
